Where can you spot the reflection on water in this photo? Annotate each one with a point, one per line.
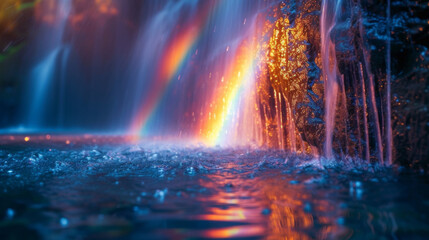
(98, 188)
(271, 204)
(232, 201)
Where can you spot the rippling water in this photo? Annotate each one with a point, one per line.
(88, 187)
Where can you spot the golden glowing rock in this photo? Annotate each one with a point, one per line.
(290, 89)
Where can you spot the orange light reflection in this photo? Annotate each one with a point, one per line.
(232, 109)
(230, 232)
(242, 200)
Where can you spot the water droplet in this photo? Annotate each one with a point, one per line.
(294, 182)
(358, 184)
(160, 194)
(64, 222)
(95, 153)
(341, 221)
(307, 207)
(359, 192)
(10, 213)
(190, 171)
(266, 211)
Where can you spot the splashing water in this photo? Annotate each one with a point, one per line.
(167, 192)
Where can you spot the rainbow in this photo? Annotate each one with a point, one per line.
(224, 105)
(219, 117)
(173, 57)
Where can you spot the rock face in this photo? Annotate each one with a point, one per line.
(291, 90)
(409, 61)
(410, 78)
(361, 38)
(295, 83)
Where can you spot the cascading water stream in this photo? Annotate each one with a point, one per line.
(389, 140)
(330, 10)
(341, 28)
(54, 54)
(62, 87)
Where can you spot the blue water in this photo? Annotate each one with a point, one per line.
(103, 188)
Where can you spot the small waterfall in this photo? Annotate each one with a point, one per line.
(328, 20)
(342, 34)
(53, 52)
(389, 137)
(41, 78)
(62, 87)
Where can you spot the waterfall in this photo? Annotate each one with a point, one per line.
(291, 74)
(330, 10)
(342, 34)
(41, 78)
(389, 140)
(49, 46)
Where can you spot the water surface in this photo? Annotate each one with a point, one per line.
(85, 187)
